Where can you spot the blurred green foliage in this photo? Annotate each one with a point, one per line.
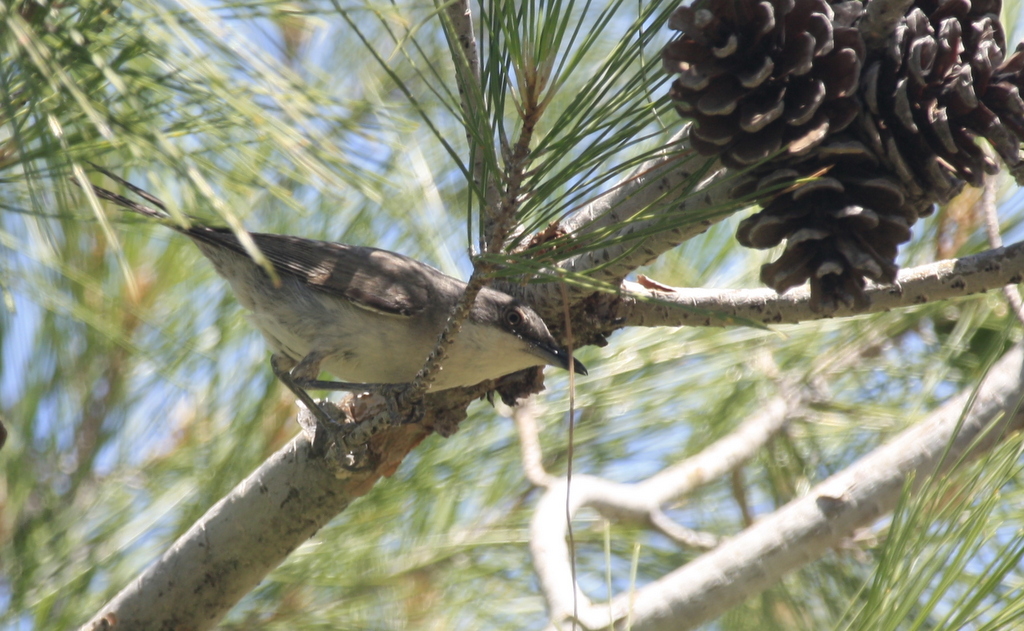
(136, 396)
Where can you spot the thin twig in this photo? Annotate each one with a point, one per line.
(739, 493)
(499, 212)
(567, 323)
(460, 15)
(990, 211)
(686, 537)
(525, 417)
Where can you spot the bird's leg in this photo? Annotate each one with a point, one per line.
(399, 396)
(395, 395)
(309, 368)
(344, 386)
(300, 377)
(305, 372)
(282, 370)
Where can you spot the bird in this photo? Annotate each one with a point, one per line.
(367, 316)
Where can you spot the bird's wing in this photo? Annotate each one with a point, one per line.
(372, 279)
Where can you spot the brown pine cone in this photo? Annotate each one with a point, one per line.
(763, 76)
(839, 228)
(935, 90)
(1002, 97)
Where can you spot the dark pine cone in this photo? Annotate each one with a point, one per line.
(758, 76)
(940, 85)
(839, 228)
(1002, 97)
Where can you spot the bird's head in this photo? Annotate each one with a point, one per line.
(517, 336)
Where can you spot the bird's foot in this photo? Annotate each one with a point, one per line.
(342, 458)
(404, 402)
(401, 407)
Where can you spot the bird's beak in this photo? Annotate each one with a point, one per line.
(555, 356)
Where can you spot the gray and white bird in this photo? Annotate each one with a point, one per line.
(365, 315)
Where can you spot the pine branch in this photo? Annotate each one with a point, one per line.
(255, 527)
(649, 212)
(969, 425)
(653, 304)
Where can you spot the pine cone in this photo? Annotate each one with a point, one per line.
(760, 76)
(839, 228)
(1002, 97)
(939, 86)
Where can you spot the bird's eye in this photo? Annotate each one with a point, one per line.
(513, 317)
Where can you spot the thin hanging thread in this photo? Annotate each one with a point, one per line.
(569, 451)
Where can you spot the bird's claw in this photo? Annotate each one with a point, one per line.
(403, 403)
(399, 397)
(328, 439)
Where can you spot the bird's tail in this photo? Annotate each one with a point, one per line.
(160, 212)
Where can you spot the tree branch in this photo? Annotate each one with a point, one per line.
(719, 307)
(654, 199)
(233, 546)
(990, 213)
(640, 503)
(254, 528)
(460, 16)
(525, 416)
(500, 207)
(964, 428)
(724, 455)
(682, 535)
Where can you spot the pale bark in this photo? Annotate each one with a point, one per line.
(798, 533)
(645, 215)
(254, 528)
(639, 503)
(225, 554)
(660, 305)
